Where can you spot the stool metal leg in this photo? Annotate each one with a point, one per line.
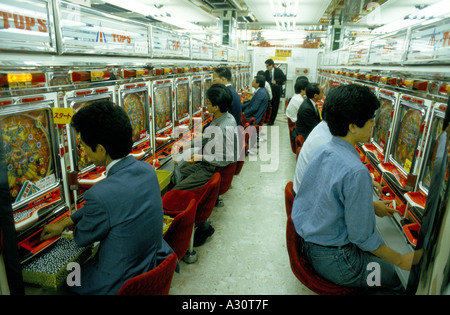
(191, 255)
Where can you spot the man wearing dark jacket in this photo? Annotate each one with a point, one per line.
(223, 75)
(257, 106)
(276, 78)
(308, 115)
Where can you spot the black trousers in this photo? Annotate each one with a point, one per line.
(276, 95)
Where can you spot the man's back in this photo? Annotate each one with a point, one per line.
(236, 105)
(307, 118)
(123, 212)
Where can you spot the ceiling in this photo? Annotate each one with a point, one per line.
(257, 14)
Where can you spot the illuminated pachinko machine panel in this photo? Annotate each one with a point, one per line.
(207, 82)
(382, 130)
(162, 112)
(416, 200)
(197, 99)
(134, 99)
(182, 101)
(31, 144)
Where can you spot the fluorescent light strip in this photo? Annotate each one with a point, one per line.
(154, 12)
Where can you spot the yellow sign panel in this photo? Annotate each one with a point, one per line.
(408, 165)
(283, 52)
(62, 115)
(277, 58)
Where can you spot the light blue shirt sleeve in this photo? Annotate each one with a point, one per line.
(359, 212)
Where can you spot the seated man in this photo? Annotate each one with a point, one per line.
(333, 210)
(308, 115)
(123, 212)
(223, 75)
(257, 106)
(218, 149)
(266, 86)
(297, 99)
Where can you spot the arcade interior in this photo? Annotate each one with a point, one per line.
(157, 59)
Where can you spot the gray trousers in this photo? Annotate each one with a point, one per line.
(192, 176)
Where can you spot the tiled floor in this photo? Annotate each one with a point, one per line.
(247, 253)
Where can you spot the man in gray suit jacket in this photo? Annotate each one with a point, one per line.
(123, 212)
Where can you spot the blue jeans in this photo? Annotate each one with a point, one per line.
(349, 266)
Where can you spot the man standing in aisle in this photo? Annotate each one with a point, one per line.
(223, 75)
(276, 78)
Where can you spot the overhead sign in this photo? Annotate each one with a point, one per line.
(27, 25)
(87, 31)
(169, 44)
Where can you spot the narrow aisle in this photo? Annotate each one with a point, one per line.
(247, 253)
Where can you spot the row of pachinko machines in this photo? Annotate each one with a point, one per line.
(47, 169)
(408, 123)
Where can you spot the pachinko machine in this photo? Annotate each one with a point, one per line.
(134, 97)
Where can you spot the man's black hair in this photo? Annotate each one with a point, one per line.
(260, 80)
(349, 104)
(312, 89)
(104, 123)
(221, 96)
(300, 85)
(223, 72)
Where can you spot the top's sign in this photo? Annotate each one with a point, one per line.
(87, 31)
(27, 25)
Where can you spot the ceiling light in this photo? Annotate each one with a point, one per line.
(155, 13)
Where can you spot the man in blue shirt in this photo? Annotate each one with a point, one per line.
(333, 209)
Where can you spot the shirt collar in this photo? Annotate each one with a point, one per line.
(345, 144)
(113, 162)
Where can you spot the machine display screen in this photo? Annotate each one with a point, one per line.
(28, 151)
(135, 106)
(383, 122)
(196, 96)
(182, 92)
(435, 132)
(408, 134)
(163, 108)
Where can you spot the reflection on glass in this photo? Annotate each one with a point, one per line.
(436, 130)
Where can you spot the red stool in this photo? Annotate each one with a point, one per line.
(179, 234)
(154, 282)
(175, 201)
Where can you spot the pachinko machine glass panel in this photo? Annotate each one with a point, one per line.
(207, 82)
(88, 173)
(134, 99)
(382, 130)
(162, 111)
(31, 144)
(407, 142)
(417, 199)
(182, 101)
(196, 103)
